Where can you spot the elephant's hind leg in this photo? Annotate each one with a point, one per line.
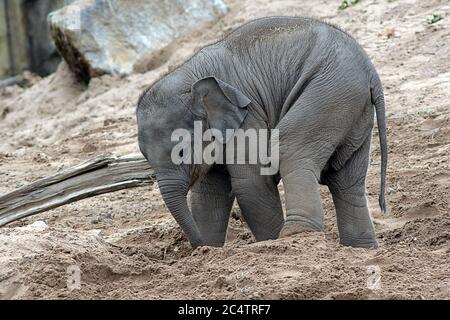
(303, 202)
(347, 186)
(310, 132)
(211, 200)
(307, 140)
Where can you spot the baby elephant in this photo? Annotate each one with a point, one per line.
(307, 83)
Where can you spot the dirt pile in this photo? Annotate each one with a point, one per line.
(126, 245)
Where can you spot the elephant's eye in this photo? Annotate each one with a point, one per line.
(181, 153)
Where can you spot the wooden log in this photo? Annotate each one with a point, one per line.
(9, 82)
(101, 175)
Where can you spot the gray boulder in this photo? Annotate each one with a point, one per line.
(96, 37)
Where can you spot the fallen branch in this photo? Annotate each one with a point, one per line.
(9, 82)
(97, 176)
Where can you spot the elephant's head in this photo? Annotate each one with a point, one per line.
(175, 102)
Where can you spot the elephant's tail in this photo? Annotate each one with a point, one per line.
(378, 101)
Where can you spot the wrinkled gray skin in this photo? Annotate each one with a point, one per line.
(310, 80)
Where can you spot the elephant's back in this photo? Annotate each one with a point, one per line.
(279, 29)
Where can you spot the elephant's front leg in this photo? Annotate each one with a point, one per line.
(259, 201)
(211, 200)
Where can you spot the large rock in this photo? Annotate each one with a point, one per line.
(108, 36)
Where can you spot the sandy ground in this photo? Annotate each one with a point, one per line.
(126, 245)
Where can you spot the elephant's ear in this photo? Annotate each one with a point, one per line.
(224, 106)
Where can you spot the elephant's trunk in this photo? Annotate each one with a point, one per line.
(174, 192)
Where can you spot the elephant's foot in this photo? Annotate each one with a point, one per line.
(291, 228)
(356, 228)
(368, 243)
